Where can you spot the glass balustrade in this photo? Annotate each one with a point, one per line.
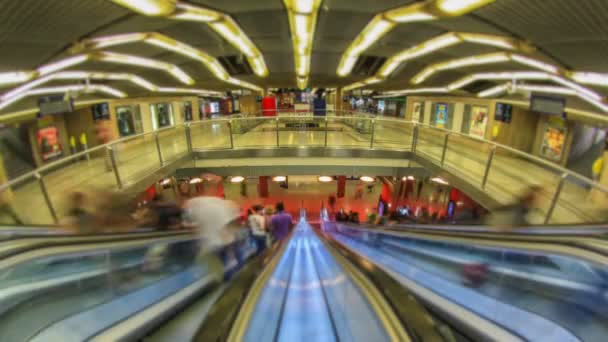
(502, 172)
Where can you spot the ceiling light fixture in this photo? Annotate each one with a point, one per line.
(384, 22)
(439, 181)
(325, 179)
(13, 77)
(194, 13)
(63, 89)
(591, 78)
(279, 178)
(196, 180)
(149, 7)
(237, 179)
(459, 7)
(367, 179)
(174, 70)
(302, 16)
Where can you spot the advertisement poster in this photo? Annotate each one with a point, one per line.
(49, 143)
(554, 139)
(441, 114)
(479, 121)
(416, 113)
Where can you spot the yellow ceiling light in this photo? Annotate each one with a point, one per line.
(237, 179)
(13, 77)
(279, 178)
(384, 22)
(439, 181)
(459, 7)
(62, 64)
(189, 91)
(244, 84)
(107, 41)
(354, 86)
(64, 89)
(170, 44)
(373, 80)
(494, 91)
(591, 78)
(536, 64)
(582, 90)
(367, 179)
(416, 12)
(302, 16)
(221, 23)
(174, 70)
(194, 13)
(149, 7)
(259, 66)
(325, 179)
(480, 60)
(490, 40)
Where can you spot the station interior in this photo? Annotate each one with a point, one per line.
(297, 170)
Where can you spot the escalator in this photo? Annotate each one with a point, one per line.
(329, 283)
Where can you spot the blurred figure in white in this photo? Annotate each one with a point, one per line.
(258, 227)
(217, 222)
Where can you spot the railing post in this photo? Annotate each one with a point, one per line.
(371, 143)
(160, 154)
(276, 125)
(488, 166)
(188, 138)
(47, 198)
(415, 139)
(445, 147)
(114, 166)
(555, 198)
(231, 136)
(326, 121)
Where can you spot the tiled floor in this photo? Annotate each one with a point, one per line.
(508, 177)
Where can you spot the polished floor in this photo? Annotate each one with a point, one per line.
(509, 175)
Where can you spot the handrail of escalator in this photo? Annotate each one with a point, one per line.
(594, 250)
(417, 321)
(25, 243)
(596, 230)
(156, 270)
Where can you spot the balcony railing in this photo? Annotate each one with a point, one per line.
(39, 197)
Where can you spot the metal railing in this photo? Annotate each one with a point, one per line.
(497, 169)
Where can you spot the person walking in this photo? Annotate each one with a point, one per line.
(258, 227)
(281, 223)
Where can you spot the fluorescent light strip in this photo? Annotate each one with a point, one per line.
(13, 77)
(494, 91)
(63, 89)
(302, 21)
(384, 22)
(170, 44)
(195, 13)
(148, 7)
(174, 70)
(480, 60)
(189, 91)
(62, 64)
(591, 78)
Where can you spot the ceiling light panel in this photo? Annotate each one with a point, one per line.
(14, 77)
(302, 22)
(174, 70)
(591, 78)
(149, 7)
(384, 22)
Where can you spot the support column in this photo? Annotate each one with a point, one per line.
(341, 191)
(263, 187)
(338, 105)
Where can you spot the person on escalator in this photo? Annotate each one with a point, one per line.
(258, 228)
(217, 222)
(281, 223)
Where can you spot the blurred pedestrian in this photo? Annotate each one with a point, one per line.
(281, 223)
(217, 222)
(167, 214)
(518, 213)
(258, 227)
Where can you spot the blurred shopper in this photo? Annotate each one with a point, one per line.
(79, 219)
(281, 223)
(216, 220)
(258, 227)
(516, 214)
(167, 214)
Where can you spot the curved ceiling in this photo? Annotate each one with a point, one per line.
(570, 34)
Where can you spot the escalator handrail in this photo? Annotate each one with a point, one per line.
(571, 248)
(418, 320)
(534, 230)
(85, 247)
(24, 244)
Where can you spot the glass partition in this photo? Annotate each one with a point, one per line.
(349, 132)
(254, 132)
(135, 158)
(173, 144)
(395, 134)
(301, 130)
(211, 134)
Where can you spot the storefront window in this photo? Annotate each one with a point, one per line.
(162, 115)
(128, 119)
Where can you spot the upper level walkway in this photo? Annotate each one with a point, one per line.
(490, 170)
